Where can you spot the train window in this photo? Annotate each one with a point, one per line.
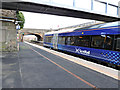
(61, 40)
(97, 41)
(72, 40)
(82, 41)
(68, 41)
(103, 42)
(48, 39)
(109, 42)
(118, 43)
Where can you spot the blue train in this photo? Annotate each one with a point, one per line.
(100, 42)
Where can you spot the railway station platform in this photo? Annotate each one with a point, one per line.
(34, 67)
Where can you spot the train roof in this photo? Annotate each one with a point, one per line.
(103, 25)
(61, 31)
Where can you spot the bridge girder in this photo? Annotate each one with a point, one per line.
(46, 9)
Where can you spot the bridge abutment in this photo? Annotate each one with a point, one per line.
(8, 40)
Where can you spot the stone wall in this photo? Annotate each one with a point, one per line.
(8, 41)
(8, 13)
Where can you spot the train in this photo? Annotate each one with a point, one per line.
(100, 42)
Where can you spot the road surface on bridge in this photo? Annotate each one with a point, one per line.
(35, 68)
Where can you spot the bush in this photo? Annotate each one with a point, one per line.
(20, 17)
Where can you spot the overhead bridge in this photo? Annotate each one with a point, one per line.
(87, 9)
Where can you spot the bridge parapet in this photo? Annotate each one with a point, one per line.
(34, 30)
(87, 9)
(92, 6)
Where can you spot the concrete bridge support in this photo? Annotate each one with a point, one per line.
(8, 40)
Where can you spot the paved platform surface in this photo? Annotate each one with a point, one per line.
(36, 68)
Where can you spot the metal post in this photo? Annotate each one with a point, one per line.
(73, 3)
(118, 10)
(92, 4)
(106, 8)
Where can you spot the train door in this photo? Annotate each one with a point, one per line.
(55, 40)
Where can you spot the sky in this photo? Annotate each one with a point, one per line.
(45, 21)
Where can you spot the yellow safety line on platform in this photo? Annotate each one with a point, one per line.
(99, 68)
(66, 70)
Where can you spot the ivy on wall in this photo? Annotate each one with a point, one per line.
(20, 17)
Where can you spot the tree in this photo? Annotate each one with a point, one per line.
(21, 18)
